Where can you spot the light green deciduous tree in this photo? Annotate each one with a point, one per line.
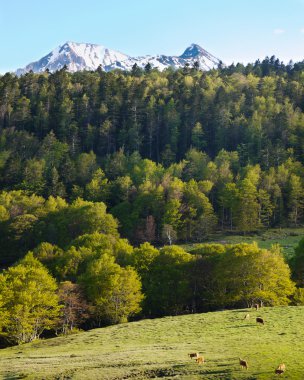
(29, 300)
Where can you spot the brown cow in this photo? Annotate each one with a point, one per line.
(260, 320)
(243, 363)
(256, 306)
(281, 369)
(193, 355)
(200, 360)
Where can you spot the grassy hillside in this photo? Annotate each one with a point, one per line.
(158, 349)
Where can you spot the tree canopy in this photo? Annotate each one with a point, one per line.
(29, 303)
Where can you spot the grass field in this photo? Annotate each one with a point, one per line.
(158, 349)
(288, 238)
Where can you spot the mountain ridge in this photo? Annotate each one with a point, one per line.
(87, 56)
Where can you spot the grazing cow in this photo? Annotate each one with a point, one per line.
(281, 369)
(243, 363)
(260, 320)
(256, 306)
(200, 360)
(193, 355)
(247, 316)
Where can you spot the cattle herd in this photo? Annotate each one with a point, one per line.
(243, 363)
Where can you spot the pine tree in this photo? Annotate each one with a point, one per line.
(248, 207)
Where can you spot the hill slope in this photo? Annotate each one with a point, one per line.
(159, 348)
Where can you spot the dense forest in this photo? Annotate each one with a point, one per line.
(172, 154)
(91, 159)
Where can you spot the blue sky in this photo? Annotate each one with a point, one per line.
(232, 30)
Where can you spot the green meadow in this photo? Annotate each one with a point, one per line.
(288, 238)
(159, 348)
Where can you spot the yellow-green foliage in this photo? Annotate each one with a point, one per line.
(28, 300)
(298, 298)
(249, 274)
(114, 291)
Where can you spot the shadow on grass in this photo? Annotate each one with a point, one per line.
(161, 372)
(221, 374)
(13, 376)
(179, 366)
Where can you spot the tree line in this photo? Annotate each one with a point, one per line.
(186, 201)
(256, 110)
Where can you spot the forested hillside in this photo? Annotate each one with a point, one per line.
(92, 158)
(173, 155)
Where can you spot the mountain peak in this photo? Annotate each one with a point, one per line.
(73, 43)
(192, 51)
(79, 47)
(86, 56)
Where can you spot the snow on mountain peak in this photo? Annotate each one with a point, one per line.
(86, 56)
(193, 51)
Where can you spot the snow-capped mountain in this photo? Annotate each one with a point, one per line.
(80, 56)
(76, 57)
